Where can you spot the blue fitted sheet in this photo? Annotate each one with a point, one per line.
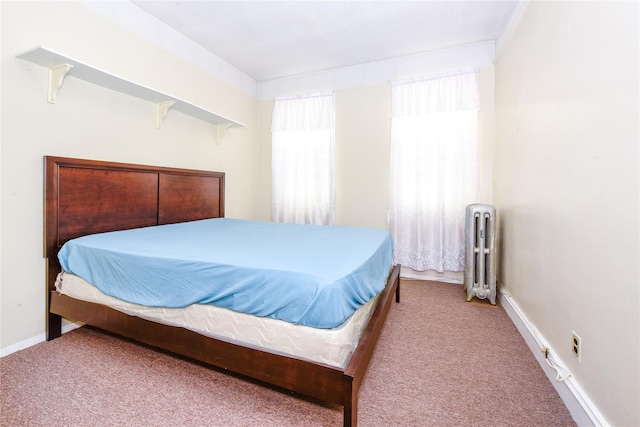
(309, 275)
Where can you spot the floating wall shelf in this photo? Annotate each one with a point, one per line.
(61, 66)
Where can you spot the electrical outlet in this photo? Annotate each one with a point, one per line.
(576, 345)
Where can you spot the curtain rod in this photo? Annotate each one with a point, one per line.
(436, 76)
(305, 96)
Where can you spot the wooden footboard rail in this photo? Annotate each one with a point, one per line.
(359, 362)
(315, 380)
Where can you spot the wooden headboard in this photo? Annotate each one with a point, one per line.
(89, 196)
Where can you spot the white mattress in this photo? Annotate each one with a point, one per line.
(333, 347)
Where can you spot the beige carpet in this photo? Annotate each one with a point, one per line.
(440, 362)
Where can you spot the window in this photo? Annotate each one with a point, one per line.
(303, 160)
(433, 169)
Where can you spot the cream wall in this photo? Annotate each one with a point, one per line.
(92, 122)
(265, 110)
(567, 189)
(363, 133)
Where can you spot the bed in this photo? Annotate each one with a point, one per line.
(85, 197)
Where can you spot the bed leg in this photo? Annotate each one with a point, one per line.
(54, 326)
(398, 291)
(351, 413)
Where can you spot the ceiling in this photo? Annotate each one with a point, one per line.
(269, 40)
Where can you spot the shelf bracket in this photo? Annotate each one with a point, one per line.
(221, 129)
(162, 111)
(56, 78)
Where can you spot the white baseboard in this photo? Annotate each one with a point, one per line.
(582, 409)
(447, 276)
(35, 340)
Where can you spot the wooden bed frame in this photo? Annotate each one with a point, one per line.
(88, 196)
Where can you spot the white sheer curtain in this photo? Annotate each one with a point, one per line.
(303, 160)
(433, 169)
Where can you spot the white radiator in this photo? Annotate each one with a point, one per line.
(480, 252)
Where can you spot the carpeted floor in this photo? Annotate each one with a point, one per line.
(440, 361)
